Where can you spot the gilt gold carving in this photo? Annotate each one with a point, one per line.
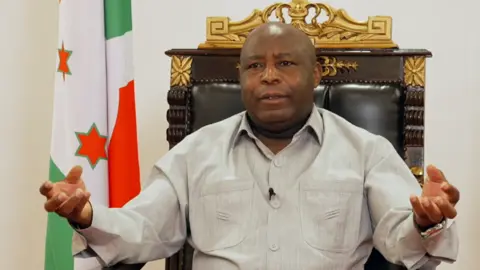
(180, 71)
(415, 71)
(338, 31)
(418, 173)
(331, 66)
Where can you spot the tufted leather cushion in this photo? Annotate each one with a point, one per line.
(377, 108)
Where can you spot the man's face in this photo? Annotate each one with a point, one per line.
(277, 80)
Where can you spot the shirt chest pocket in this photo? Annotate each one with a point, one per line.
(331, 214)
(221, 214)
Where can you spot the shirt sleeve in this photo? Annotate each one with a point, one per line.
(389, 184)
(149, 227)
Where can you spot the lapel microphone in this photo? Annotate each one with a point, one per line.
(271, 193)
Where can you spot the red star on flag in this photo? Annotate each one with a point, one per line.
(64, 55)
(92, 145)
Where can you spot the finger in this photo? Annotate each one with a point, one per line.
(67, 207)
(82, 202)
(432, 210)
(435, 175)
(447, 209)
(53, 203)
(74, 175)
(418, 208)
(45, 188)
(65, 187)
(452, 192)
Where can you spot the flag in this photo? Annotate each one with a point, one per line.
(94, 116)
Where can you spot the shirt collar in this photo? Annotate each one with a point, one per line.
(314, 125)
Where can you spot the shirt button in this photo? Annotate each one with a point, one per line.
(274, 247)
(278, 162)
(275, 203)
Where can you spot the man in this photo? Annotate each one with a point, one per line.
(283, 185)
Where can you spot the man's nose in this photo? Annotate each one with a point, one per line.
(270, 75)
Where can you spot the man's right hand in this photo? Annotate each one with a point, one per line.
(69, 198)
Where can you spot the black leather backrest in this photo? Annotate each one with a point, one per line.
(375, 107)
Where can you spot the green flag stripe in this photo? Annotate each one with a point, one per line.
(58, 249)
(54, 173)
(118, 17)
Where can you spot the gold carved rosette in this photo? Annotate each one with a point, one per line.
(180, 81)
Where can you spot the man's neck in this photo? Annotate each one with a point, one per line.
(275, 145)
(279, 139)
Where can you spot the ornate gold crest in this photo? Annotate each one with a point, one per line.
(339, 30)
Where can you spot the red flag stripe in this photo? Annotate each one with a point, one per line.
(123, 163)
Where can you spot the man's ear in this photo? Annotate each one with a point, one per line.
(317, 73)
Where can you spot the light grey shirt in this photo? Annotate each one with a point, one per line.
(339, 192)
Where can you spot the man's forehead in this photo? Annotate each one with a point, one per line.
(275, 39)
(275, 30)
(270, 32)
(273, 46)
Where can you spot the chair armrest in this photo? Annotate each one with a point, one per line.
(121, 266)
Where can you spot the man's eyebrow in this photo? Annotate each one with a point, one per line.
(279, 55)
(255, 57)
(283, 55)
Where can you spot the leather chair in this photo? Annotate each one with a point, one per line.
(367, 79)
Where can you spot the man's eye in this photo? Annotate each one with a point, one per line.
(254, 65)
(286, 63)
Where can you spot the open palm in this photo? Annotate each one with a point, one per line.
(68, 197)
(437, 201)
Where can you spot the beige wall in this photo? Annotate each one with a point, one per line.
(27, 53)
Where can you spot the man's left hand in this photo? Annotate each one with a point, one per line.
(437, 201)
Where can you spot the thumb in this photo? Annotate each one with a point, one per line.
(435, 175)
(73, 176)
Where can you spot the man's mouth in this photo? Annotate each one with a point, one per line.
(272, 96)
(273, 99)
